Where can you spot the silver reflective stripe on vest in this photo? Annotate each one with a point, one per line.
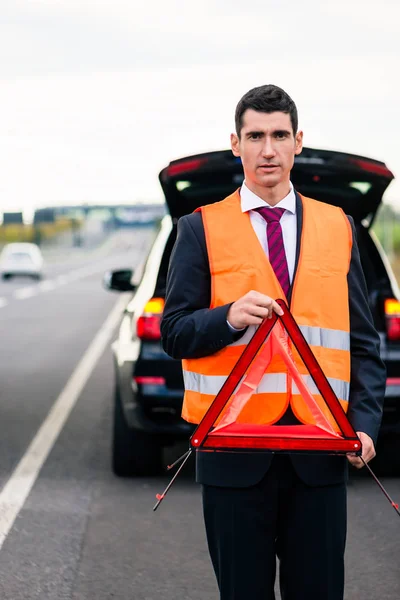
(327, 338)
(341, 388)
(270, 383)
(334, 339)
(205, 384)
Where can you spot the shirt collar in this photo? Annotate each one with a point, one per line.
(250, 201)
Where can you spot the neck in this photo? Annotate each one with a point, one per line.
(270, 195)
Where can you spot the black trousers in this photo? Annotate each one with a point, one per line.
(305, 527)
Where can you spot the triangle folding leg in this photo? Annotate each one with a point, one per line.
(228, 434)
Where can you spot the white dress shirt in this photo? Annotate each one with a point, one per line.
(249, 201)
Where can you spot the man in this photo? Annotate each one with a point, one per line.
(230, 262)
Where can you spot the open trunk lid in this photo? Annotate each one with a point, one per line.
(355, 183)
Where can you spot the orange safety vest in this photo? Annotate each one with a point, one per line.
(319, 305)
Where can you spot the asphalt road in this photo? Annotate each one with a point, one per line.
(82, 533)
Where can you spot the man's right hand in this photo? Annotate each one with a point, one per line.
(252, 309)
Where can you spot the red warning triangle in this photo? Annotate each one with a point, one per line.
(229, 434)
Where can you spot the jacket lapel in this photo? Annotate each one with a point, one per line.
(299, 223)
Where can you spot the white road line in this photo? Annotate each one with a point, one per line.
(61, 279)
(52, 284)
(25, 292)
(46, 286)
(58, 280)
(18, 487)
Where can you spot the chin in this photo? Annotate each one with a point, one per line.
(268, 181)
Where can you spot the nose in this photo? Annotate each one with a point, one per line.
(268, 149)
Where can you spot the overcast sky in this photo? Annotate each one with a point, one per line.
(98, 95)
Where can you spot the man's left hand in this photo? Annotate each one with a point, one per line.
(368, 451)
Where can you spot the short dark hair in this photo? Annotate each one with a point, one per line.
(266, 98)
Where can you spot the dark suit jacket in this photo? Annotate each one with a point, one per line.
(190, 329)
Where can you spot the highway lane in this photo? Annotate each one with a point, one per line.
(83, 534)
(44, 336)
(64, 264)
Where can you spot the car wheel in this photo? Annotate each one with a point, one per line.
(134, 453)
(6, 276)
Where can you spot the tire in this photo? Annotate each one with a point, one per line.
(134, 453)
(6, 276)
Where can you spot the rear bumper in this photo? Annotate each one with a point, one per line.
(20, 271)
(161, 415)
(391, 412)
(139, 420)
(152, 409)
(157, 409)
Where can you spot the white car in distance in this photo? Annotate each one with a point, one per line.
(21, 259)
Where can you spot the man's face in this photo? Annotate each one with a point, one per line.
(267, 147)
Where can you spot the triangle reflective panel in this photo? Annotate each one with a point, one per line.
(224, 426)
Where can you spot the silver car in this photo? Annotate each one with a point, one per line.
(21, 259)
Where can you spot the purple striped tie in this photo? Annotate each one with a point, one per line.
(276, 249)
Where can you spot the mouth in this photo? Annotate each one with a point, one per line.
(268, 168)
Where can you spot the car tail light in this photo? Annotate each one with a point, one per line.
(372, 167)
(185, 166)
(392, 314)
(148, 324)
(150, 380)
